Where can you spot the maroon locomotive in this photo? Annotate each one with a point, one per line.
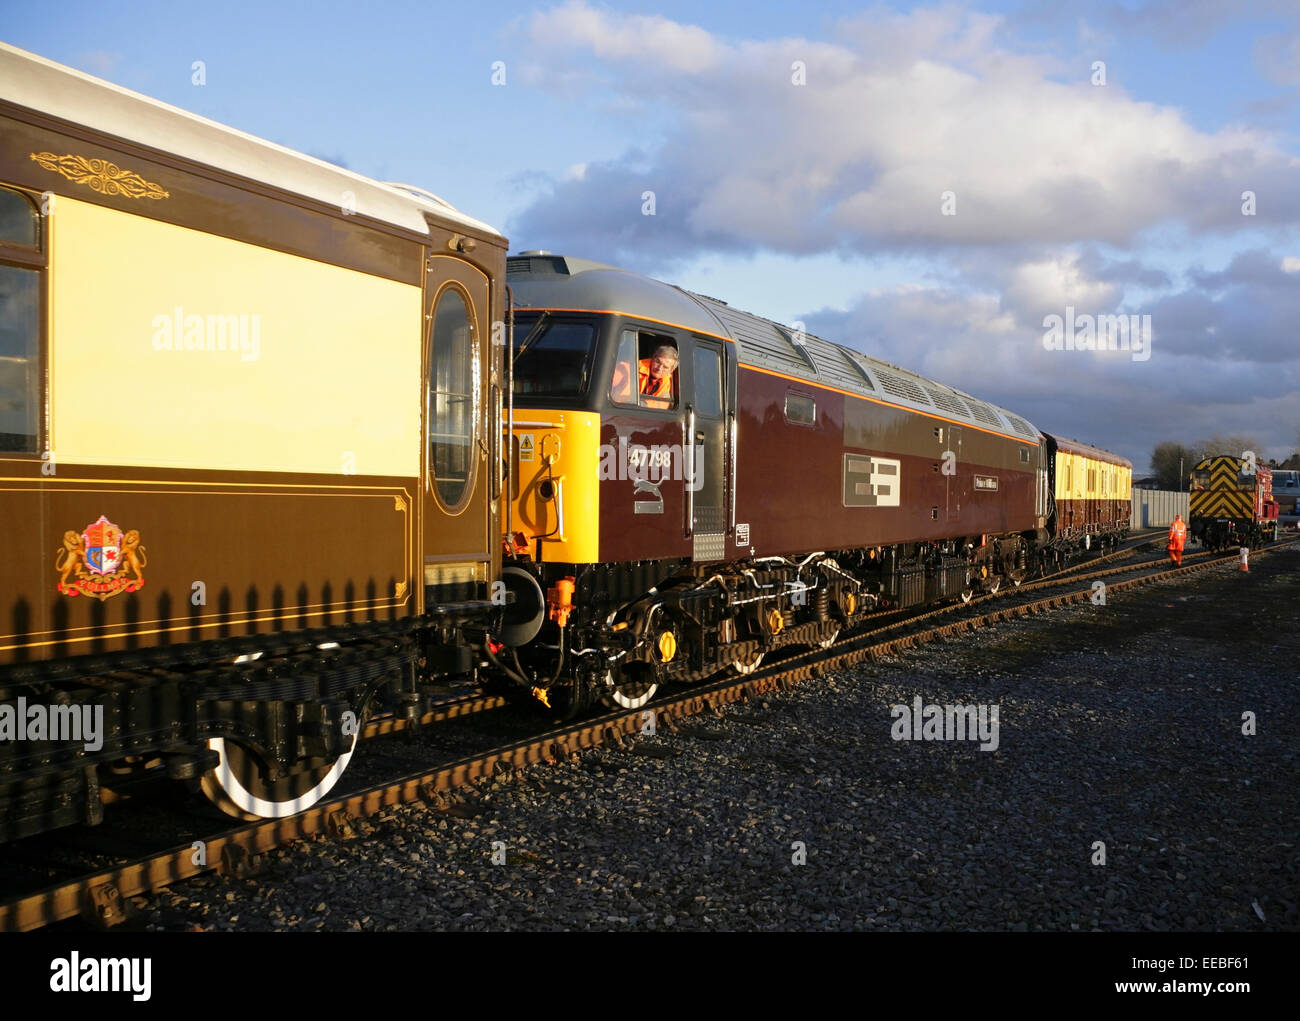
(774, 488)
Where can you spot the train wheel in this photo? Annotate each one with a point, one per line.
(624, 692)
(827, 642)
(994, 585)
(237, 787)
(749, 667)
(967, 594)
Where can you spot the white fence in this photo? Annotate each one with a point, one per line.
(1155, 508)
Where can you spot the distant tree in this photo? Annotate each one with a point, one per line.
(1170, 463)
(1292, 463)
(1233, 444)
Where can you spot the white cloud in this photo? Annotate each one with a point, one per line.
(896, 112)
(645, 39)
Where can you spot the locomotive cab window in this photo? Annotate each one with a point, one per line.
(453, 399)
(21, 263)
(645, 371)
(800, 409)
(553, 355)
(708, 382)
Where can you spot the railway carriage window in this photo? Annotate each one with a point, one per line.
(1201, 480)
(20, 323)
(452, 391)
(708, 382)
(1024, 455)
(800, 410)
(20, 223)
(553, 357)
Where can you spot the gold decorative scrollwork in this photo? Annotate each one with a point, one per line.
(101, 176)
(400, 590)
(399, 504)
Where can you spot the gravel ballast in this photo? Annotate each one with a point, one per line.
(1120, 733)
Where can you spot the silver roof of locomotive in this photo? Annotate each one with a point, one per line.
(543, 280)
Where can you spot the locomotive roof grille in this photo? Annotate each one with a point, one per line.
(763, 341)
(981, 411)
(1019, 425)
(900, 386)
(517, 265)
(948, 402)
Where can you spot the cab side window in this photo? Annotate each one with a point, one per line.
(708, 382)
(645, 371)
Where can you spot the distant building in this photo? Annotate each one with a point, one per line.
(1286, 490)
(1150, 482)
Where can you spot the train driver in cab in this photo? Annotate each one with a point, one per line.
(655, 379)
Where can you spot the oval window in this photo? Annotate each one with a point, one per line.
(453, 399)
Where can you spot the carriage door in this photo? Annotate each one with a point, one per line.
(705, 428)
(953, 481)
(457, 533)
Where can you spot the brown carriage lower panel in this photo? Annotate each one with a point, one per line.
(1091, 515)
(192, 559)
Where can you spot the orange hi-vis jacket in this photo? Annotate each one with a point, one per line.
(1177, 535)
(655, 393)
(661, 388)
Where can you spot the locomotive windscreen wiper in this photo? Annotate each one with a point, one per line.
(533, 334)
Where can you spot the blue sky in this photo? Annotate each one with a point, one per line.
(821, 201)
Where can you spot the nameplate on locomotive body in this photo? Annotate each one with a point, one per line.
(986, 483)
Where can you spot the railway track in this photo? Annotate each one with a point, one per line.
(101, 896)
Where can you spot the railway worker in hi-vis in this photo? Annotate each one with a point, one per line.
(654, 376)
(1177, 539)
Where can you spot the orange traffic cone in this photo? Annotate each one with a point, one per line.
(1245, 557)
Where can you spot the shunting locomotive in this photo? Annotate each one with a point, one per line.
(1231, 503)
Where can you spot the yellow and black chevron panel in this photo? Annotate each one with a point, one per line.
(1222, 503)
(1223, 471)
(1219, 489)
